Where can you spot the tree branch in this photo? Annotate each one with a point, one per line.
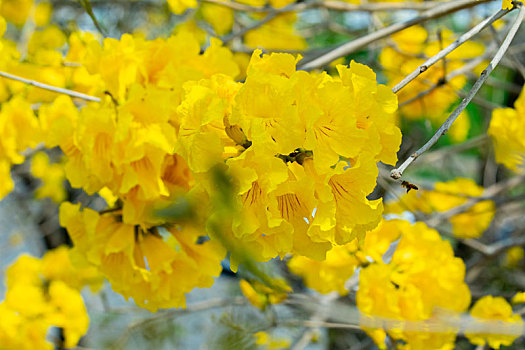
(345, 49)
(440, 55)
(50, 88)
(331, 5)
(397, 173)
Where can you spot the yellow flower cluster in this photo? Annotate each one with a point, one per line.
(332, 273)
(411, 47)
(422, 278)
(42, 293)
(507, 130)
(341, 261)
(301, 148)
(295, 194)
(276, 34)
(448, 195)
(52, 176)
(127, 143)
(494, 309)
(155, 267)
(19, 129)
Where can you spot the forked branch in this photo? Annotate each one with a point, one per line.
(345, 49)
(440, 55)
(398, 172)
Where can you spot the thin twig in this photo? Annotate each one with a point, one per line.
(50, 88)
(435, 156)
(490, 193)
(345, 49)
(513, 58)
(495, 248)
(255, 25)
(444, 52)
(331, 5)
(397, 173)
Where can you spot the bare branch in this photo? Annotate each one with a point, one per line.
(459, 41)
(331, 5)
(397, 173)
(345, 49)
(513, 58)
(50, 88)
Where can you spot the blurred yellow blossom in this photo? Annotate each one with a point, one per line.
(513, 256)
(330, 274)
(266, 341)
(53, 302)
(219, 17)
(276, 34)
(52, 176)
(42, 14)
(19, 130)
(429, 96)
(491, 308)
(519, 298)
(507, 130)
(261, 295)
(447, 195)
(178, 7)
(16, 11)
(422, 277)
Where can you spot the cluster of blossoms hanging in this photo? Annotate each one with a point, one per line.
(301, 149)
(418, 287)
(44, 293)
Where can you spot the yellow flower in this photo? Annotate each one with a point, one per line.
(178, 7)
(52, 176)
(276, 34)
(493, 309)
(58, 265)
(328, 275)
(6, 183)
(191, 28)
(220, 17)
(18, 332)
(16, 11)
(413, 45)
(52, 302)
(19, 130)
(42, 13)
(519, 298)
(506, 130)
(261, 295)
(422, 277)
(513, 256)
(154, 269)
(267, 342)
(70, 312)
